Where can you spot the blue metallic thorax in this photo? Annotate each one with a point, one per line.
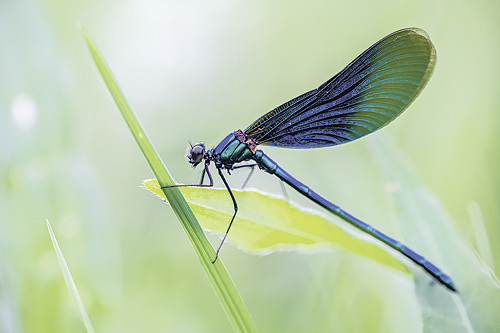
(231, 150)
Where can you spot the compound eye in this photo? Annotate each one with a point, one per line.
(197, 150)
(195, 155)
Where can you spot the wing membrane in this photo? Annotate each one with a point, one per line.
(366, 95)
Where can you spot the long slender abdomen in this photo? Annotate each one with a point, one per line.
(271, 167)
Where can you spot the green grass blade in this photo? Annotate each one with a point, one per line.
(480, 234)
(69, 281)
(427, 227)
(218, 275)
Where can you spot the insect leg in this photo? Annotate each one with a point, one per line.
(203, 175)
(283, 189)
(205, 171)
(234, 215)
(249, 174)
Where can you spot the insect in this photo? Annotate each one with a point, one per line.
(366, 95)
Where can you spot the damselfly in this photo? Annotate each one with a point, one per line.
(366, 95)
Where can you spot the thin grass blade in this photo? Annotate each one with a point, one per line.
(480, 234)
(218, 275)
(70, 284)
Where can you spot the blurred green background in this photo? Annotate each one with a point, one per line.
(196, 71)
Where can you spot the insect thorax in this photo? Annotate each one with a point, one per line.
(233, 149)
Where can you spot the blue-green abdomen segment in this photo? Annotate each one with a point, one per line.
(268, 165)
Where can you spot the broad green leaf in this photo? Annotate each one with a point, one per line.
(267, 223)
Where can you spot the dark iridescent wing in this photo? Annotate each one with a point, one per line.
(366, 95)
